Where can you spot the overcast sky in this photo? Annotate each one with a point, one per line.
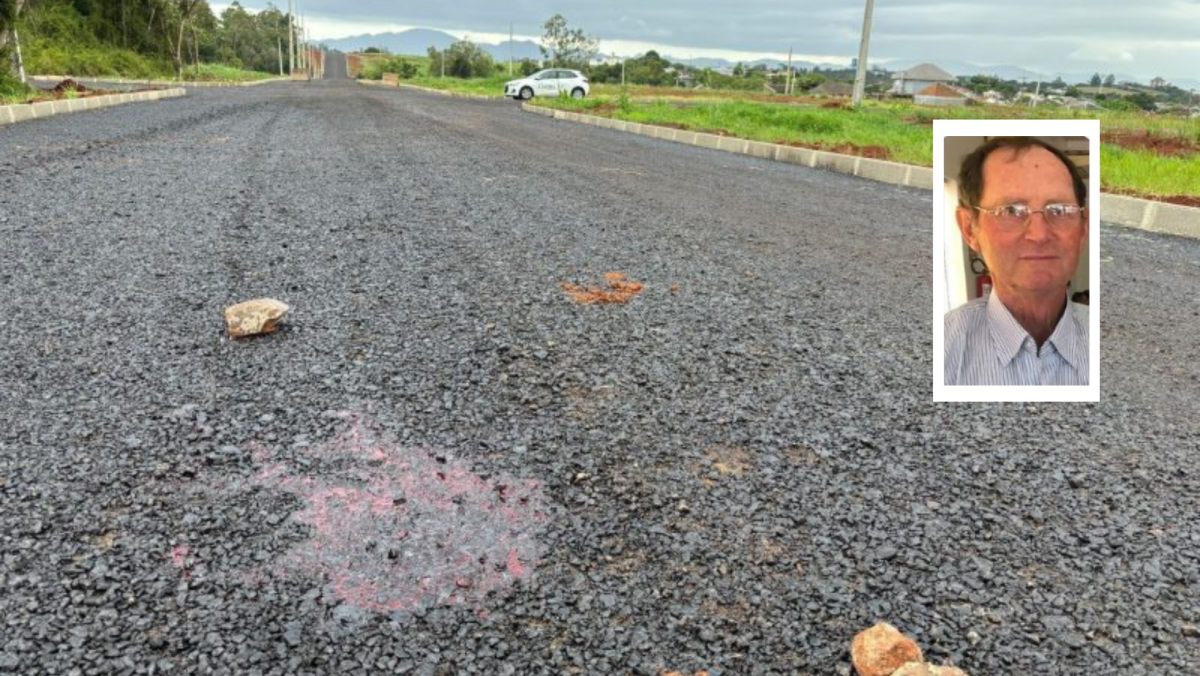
(1146, 38)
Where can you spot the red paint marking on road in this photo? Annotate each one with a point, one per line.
(513, 564)
(179, 556)
(416, 530)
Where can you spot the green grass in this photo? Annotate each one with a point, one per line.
(775, 123)
(375, 65)
(210, 72)
(1147, 173)
(46, 57)
(13, 91)
(491, 86)
(906, 132)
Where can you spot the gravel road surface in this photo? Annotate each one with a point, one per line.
(443, 464)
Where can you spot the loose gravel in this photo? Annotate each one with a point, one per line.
(443, 464)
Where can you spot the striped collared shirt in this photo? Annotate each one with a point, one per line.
(985, 345)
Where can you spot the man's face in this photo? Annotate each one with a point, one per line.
(1036, 259)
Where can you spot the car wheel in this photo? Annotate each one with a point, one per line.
(526, 93)
(577, 93)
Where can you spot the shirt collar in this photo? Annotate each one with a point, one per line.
(1008, 336)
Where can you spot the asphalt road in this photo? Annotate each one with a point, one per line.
(444, 465)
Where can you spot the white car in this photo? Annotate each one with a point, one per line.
(549, 82)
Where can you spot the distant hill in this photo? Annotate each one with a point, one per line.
(1005, 72)
(417, 41)
(716, 64)
(411, 42)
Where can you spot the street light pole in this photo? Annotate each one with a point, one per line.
(860, 77)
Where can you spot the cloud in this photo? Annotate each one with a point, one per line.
(1102, 53)
(1031, 33)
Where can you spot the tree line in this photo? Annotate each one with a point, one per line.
(566, 47)
(172, 34)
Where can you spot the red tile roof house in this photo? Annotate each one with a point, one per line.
(940, 95)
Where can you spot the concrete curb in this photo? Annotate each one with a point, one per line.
(1131, 212)
(1171, 219)
(458, 95)
(31, 111)
(88, 81)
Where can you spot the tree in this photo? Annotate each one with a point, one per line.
(175, 17)
(1110, 80)
(527, 67)
(9, 11)
(567, 47)
(466, 59)
(437, 61)
(1096, 80)
(1143, 100)
(649, 69)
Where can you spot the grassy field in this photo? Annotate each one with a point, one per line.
(905, 132)
(1147, 173)
(492, 86)
(48, 57)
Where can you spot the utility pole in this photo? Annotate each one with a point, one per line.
(787, 80)
(860, 77)
(510, 46)
(291, 39)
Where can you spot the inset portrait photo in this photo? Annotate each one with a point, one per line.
(1016, 270)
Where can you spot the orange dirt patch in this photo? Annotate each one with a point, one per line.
(653, 92)
(873, 152)
(619, 290)
(840, 104)
(1159, 145)
(602, 109)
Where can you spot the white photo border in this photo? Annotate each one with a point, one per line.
(1015, 393)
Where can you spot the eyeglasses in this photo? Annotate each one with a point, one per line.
(1017, 216)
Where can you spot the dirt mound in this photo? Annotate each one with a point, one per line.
(69, 85)
(1159, 145)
